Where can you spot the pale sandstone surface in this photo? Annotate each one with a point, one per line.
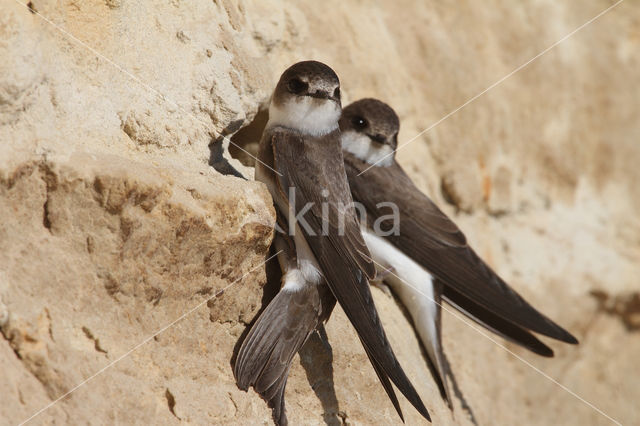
(114, 225)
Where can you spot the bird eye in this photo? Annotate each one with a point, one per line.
(359, 123)
(336, 93)
(297, 86)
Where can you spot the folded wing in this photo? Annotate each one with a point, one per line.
(434, 241)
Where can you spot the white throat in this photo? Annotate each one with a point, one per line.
(306, 114)
(361, 146)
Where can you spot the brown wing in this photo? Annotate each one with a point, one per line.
(430, 238)
(496, 324)
(311, 166)
(316, 171)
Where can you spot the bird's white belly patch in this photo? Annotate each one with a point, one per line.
(411, 283)
(307, 271)
(294, 280)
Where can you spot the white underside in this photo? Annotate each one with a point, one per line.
(307, 262)
(305, 273)
(302, 272)
(362, 147)
(305, 270)
(414, 286)
(310, 116)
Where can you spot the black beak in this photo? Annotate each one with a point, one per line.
(378, 138)
(321, 94)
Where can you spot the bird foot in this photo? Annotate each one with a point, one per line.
(378, 281)
(381, 275)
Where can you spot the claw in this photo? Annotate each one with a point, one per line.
(380, 276)
(378, 281)
(382, 286)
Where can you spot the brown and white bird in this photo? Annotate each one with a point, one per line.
(324, 256)
(429, 255)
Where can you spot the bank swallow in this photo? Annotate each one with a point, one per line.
(327, 259)
(427, 254)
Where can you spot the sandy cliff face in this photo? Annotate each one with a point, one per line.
(114, 226)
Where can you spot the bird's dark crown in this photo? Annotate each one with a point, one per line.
(309, 78)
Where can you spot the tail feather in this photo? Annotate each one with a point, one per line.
(265, 357)
(274, 396)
